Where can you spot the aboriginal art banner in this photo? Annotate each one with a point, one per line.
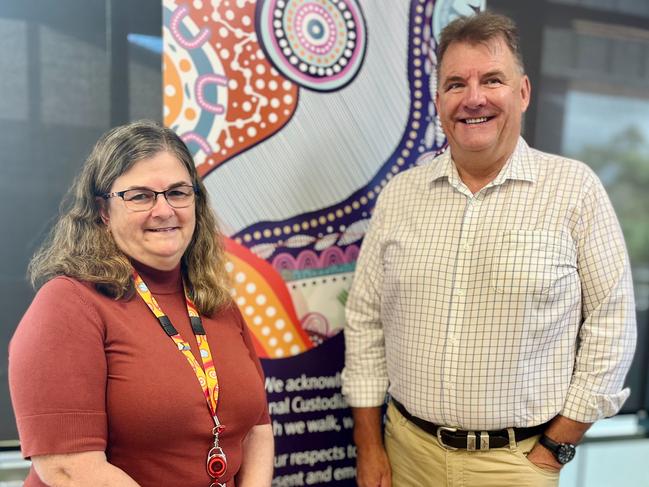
(298, 113)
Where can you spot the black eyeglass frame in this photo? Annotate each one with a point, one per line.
(120, 194)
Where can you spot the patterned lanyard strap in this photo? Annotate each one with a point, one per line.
(206, 375)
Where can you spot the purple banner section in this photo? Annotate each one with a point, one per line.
(311, 421)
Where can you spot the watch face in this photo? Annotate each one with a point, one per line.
(565, 453)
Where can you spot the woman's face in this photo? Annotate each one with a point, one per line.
(157, 237)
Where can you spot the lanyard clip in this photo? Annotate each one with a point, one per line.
(218, 429)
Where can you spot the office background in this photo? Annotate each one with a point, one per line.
(73, 69)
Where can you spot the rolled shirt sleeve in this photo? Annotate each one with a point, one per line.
(365, 377)
(607, 335)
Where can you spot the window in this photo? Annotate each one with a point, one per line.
(69, 72)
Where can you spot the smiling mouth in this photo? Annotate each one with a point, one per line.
(476, 121)
(162, 230)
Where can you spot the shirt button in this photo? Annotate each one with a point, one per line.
(459, 292)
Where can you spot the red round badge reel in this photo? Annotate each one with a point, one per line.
(217, 464)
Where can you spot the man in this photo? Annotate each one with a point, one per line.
(492, 297)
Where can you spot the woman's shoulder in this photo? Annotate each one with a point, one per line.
(65, 287)
(61, 309)
(229, 311)
(62, 282)
(65, 296)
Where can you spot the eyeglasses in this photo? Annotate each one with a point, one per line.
(144, 199)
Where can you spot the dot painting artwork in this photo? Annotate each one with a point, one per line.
(317, 45)
(298, 113)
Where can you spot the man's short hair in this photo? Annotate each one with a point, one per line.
(480, 28)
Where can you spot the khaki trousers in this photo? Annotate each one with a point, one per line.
(418, 460)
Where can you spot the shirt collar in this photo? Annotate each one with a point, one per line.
(521, 165)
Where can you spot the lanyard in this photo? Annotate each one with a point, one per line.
(206, 375)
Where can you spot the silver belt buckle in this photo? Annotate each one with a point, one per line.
(484, 440)
(470, 441)
(439, 436)
(471, 444)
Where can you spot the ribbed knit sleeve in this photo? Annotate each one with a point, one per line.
(57, 373)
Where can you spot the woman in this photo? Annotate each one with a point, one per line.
(108, 381)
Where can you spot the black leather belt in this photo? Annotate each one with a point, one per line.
(455, 439)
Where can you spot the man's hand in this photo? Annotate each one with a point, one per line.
(543, 458)
(561, 430)
(373, 468)
(372, 464)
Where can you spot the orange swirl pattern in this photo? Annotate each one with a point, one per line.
(221, 94)
(264, 300)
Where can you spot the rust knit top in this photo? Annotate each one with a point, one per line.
(88, 373)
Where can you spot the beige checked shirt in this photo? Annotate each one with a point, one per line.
(497, 309)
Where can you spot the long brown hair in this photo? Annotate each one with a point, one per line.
(80, 246)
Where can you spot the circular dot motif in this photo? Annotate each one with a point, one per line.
(319, 45)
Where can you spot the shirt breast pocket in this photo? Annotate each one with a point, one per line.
(531, 262)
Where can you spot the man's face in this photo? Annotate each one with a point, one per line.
(480, 99)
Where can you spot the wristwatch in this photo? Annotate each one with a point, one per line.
(563, 452)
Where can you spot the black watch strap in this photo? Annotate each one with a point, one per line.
(563, 452)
